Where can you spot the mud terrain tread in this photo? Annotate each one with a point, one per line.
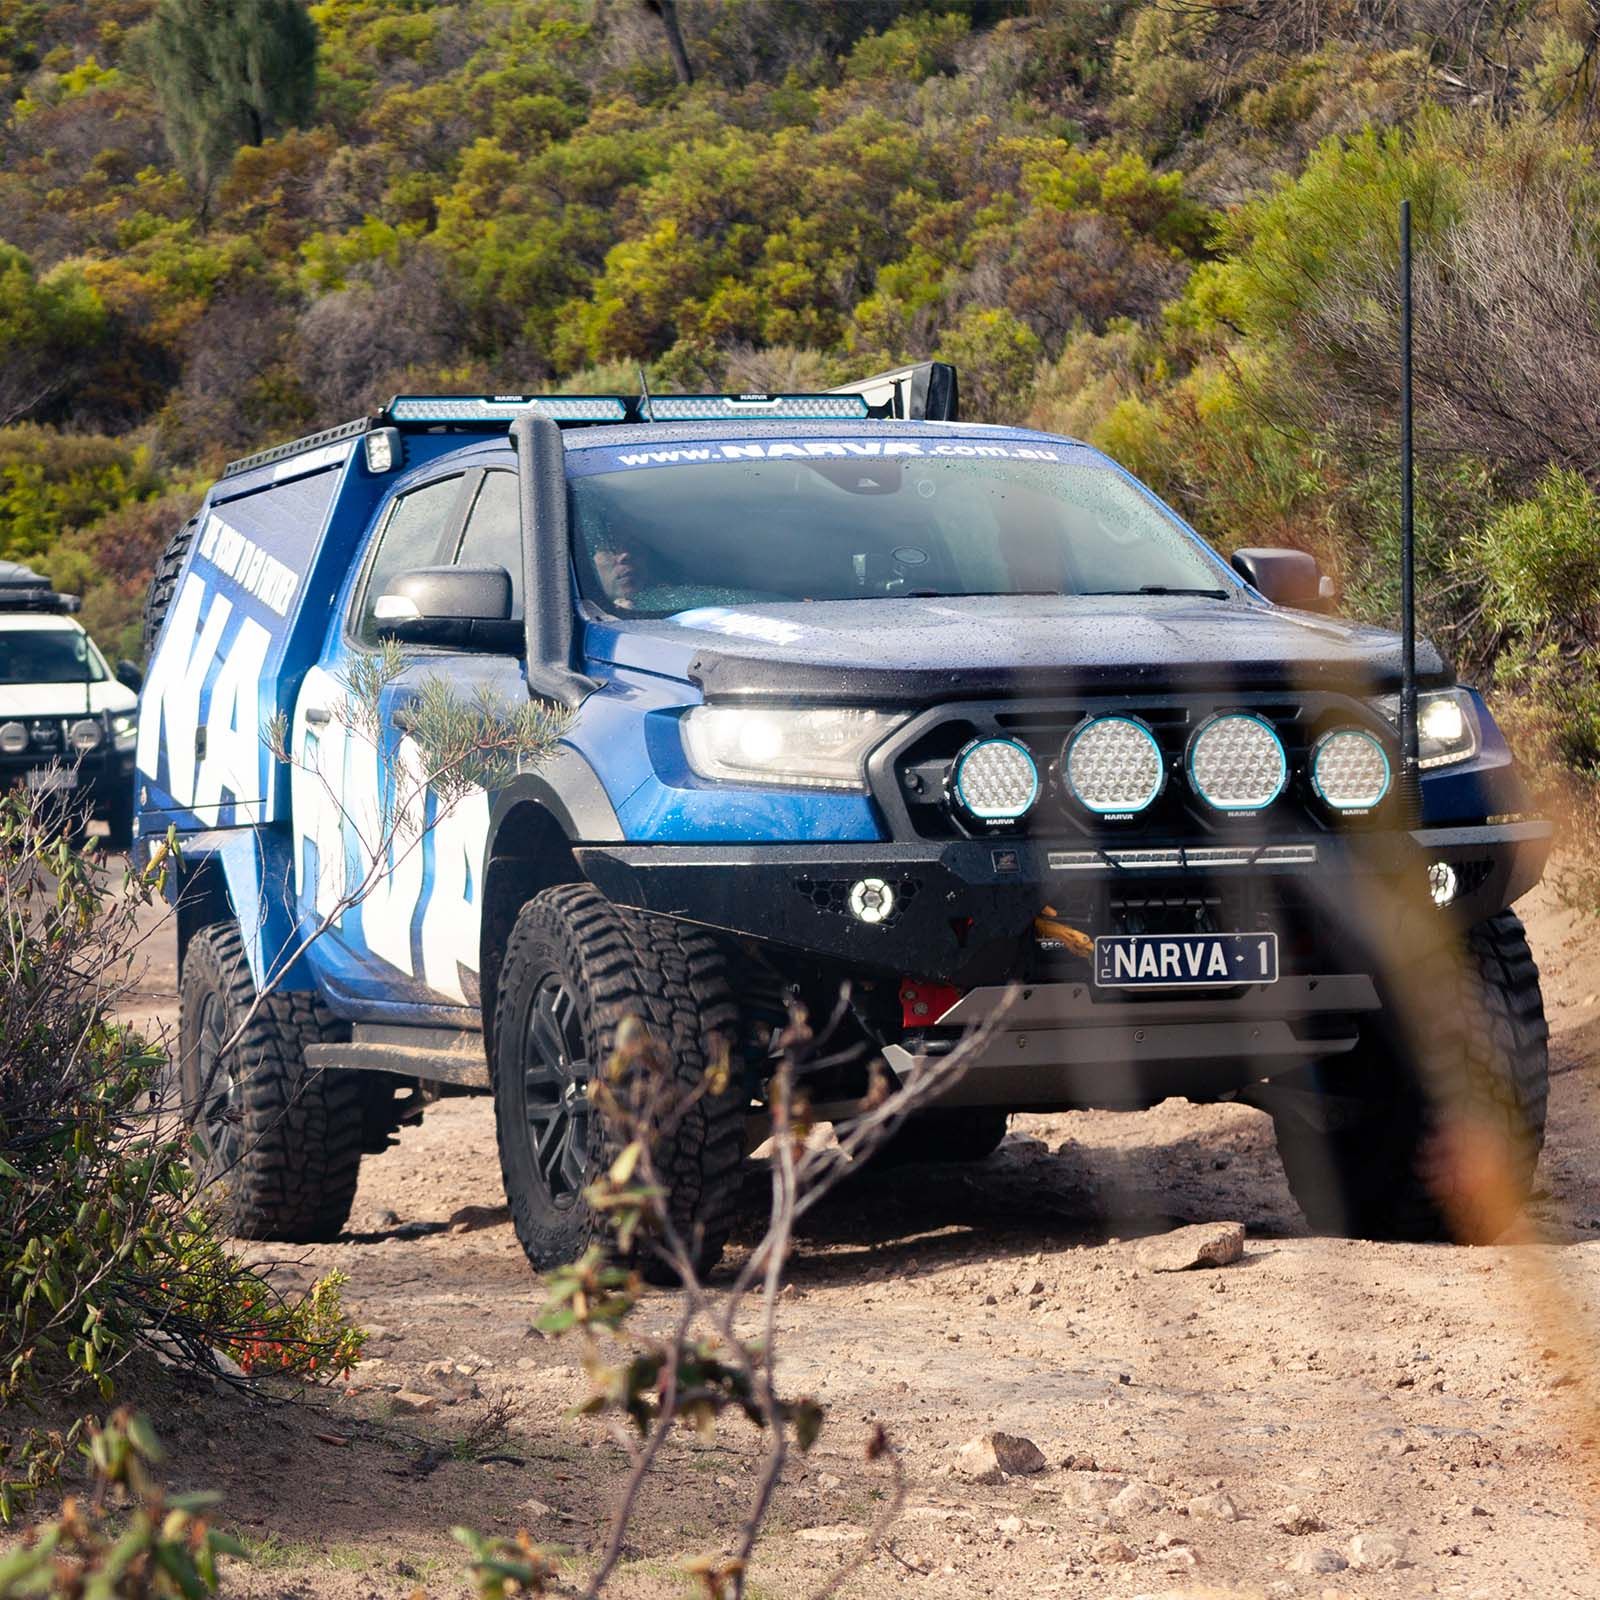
(158, 597)
(302, 1130)
(1500, 1073)
(1485, 1065)
(674, 979)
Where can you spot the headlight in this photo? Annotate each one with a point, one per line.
(1447, 726)
(811, 749)
(124, 728)
(86, 734)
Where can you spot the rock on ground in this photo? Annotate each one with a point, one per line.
(1321, 1559)
(1376, 1550)
(993, 1456)
(1204, 1244)
(1216, 1505)
(1137, 1500)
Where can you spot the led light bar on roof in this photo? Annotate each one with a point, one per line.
(506, 407)
(756, 407)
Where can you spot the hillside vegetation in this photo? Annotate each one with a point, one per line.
(1165, 226)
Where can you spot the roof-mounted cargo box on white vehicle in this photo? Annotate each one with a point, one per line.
(23, 589)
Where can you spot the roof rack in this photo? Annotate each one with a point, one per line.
(23, 589)
(927, 392)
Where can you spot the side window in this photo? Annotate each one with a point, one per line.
(493, 535)
(413, 536)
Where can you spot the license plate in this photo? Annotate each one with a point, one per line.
(1184, 960)
(52, 780)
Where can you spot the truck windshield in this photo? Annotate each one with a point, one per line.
(48, 655)
(654, 540)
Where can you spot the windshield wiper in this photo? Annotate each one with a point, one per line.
(971, 594)
(1161, 588)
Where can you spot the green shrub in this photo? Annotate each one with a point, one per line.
(1540, 560)
(162, 1548)
(996, 354)
(52, 483)
(105, 1246)
(47, 325)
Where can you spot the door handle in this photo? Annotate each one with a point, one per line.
(318, 715)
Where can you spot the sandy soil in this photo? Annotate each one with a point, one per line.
(1436, 1403)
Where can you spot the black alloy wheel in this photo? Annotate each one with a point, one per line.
(555, 1092)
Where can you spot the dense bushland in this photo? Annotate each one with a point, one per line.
(1163, 225)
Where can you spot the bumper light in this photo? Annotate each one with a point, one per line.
(994, 781)
(1237, 762)
(1350, 770)
(1113, 766)
(13, 738)
(871, 901)
(86, 734)
(1442, 883)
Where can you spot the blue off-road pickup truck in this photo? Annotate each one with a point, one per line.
(859, 698)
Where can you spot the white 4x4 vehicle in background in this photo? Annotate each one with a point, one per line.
(67, 723)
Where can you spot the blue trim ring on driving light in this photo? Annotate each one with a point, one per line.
(1120, 808)
(989, 814)
(1208, 727)
(1361, 803)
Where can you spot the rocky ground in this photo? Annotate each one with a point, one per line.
(1318, 1418)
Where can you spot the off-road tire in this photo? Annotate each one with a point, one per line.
(616, 964)
(965, 1135)
(299, 1129)
(119, 820)
(1443, 1138)
(158, 597)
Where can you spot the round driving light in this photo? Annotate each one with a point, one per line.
(86, 735)
(871, 901)
(1236, 762)
(994, 780)
(1112, 766)
(14, 738)
(1442, 883)
(1350, 770)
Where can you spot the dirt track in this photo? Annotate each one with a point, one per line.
(1440, 1400)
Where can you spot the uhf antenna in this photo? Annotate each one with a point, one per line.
(644, 395)
(1408, 553)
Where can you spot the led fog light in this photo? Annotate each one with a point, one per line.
(994, 781)
(1350, 770)
(1236, 762)
(1112, 766)
(871, 901)
(1442, 883)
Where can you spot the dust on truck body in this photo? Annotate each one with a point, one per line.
(857, 693)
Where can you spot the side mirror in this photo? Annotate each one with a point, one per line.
(1285, 577)
(130, 675)
(465, 607)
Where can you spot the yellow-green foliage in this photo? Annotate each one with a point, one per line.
(55, 482)
(1541, 560)
(1167, 229)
